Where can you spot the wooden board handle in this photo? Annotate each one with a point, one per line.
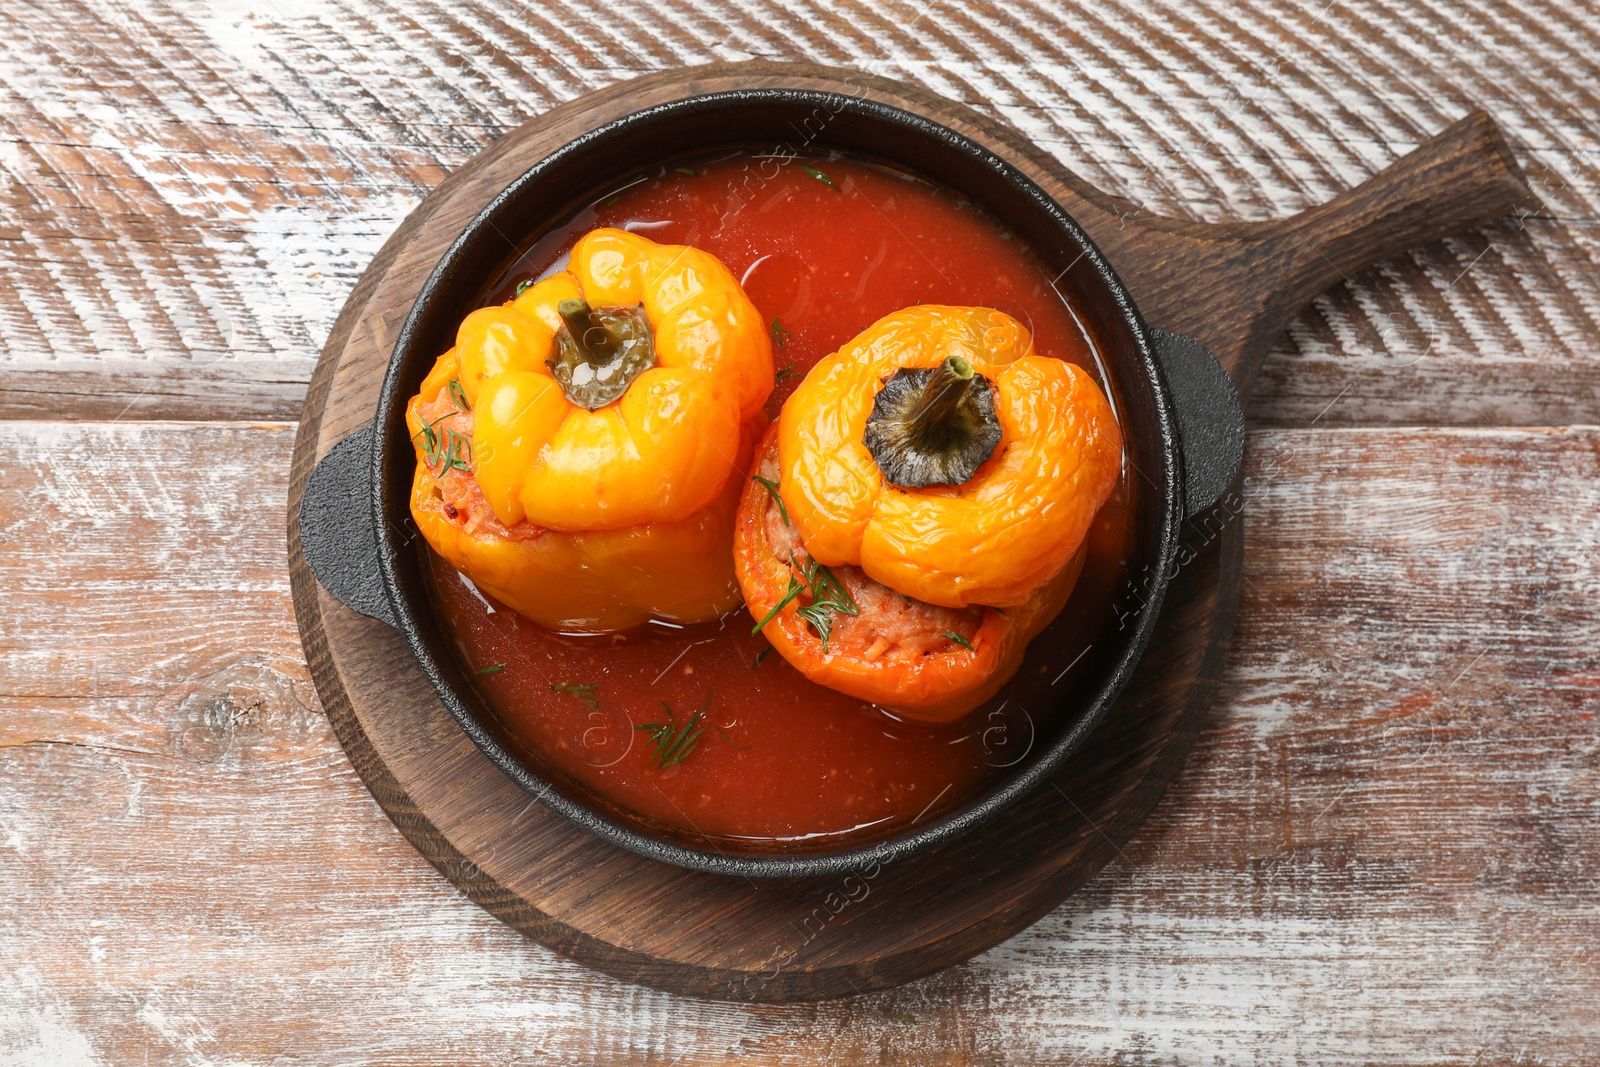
(1234, 287)
(1463, 177)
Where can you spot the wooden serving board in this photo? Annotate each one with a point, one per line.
(1232, 287)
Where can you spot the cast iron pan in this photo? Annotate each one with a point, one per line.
(1181, 421)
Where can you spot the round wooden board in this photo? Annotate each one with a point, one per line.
(781, 940)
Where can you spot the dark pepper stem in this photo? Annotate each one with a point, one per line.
(593, 342)
(943, 395)
(933, 427)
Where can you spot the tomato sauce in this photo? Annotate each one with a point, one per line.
(824, 247)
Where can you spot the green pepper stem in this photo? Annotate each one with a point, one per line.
(599, 351)
(593, 341)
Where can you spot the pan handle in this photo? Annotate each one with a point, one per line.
(336, 531)
(1210, 420)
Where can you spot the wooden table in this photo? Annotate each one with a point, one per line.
(1386, 847)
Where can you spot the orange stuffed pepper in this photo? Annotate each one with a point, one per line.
(580, 449)
(918, 513)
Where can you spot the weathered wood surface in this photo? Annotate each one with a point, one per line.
(190, 189)
(926, 913)
(1384, 848)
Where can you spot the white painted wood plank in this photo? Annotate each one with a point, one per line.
(189, 190)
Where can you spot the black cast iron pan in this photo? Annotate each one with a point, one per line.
(1181, 420)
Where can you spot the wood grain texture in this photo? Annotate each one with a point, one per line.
(803, 939)
(1383, 848)
(190, 189)
(794, 939)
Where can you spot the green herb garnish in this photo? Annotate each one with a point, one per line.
(685, 170)
(780, 336)
(794, 590)
(496, 669)
(828, 598)
(958, 639)
(820, 616)
(817, 174)
(449, 450)
(772, 490)
(674, 743)
(730, 744)
(457, 453)
(585, 693)
(784, 374)
(522, 287)
(763, 654)
(430, 438)
(826, 587)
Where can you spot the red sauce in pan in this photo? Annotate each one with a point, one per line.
(782, 759)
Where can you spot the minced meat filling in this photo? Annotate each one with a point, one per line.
(464, 501)
(890, 627)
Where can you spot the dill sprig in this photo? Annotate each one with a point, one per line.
(829, 599)
(779, 336)
(794, 590)
(772, 490)
(585, 693)
(783, 374)
(447, 450)
(675, 743)
(958, 639)
(820, 616)
(825, 586)
(729, 742)
(496, 669)
(455, 453)
(817, 174)
(428, 434)
(763, 654)
(430, 437)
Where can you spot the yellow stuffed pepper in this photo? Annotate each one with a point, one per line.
(579, 450)
(918, 513)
